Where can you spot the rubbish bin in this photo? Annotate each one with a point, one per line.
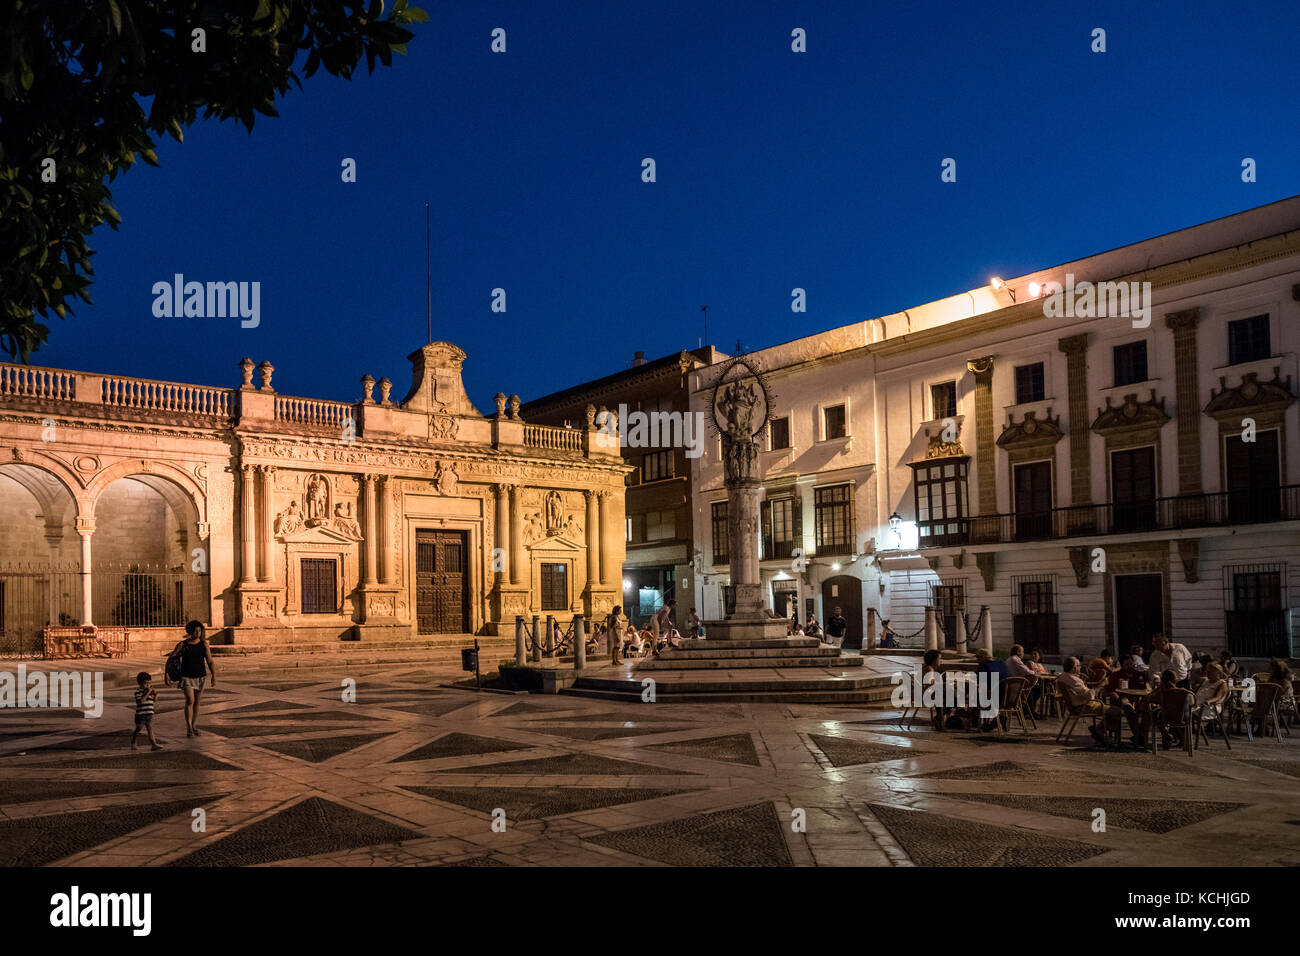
(469, 658)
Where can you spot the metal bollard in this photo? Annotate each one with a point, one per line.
(579, 644)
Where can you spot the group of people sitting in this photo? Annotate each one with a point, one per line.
(625, 640)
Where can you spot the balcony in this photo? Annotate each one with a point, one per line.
(1217, 509)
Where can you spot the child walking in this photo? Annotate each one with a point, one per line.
(145, 698)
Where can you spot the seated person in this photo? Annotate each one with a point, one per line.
(1082, 698)
(987, 663)
(812, 630)
(1127, 675)
(1035, 662)
(1279, 672)
(888, 636)
(631, 639)
(930, 671)
(1135, 656)
(797, 632)
(1168, 680)
(1212, 693)
(1227, 663)
(1101, 665)
(1016, 666)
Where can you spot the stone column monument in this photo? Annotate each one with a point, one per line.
(740, 412)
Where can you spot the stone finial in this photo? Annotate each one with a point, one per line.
(514, 408)
(368, 389)
(500, 399)
(265, 370)
(385, 387)
(246, 367)
(591, 416)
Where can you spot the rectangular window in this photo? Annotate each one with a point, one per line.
(833, 517)
(1255, 610)
(1254, 477)
(1029, 383)
(779, 518)
(1133, 488)
(1032, 499)
(941, 502)
(836, 424)
(319, 586)
(778, 434)
(1034, 621)
(943, 400)
(721, 533)
(1130, 363)
(660, 525)
(657, 465)
(1248, 340)
(555, 587)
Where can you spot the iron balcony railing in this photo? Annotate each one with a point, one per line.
(1162, 514)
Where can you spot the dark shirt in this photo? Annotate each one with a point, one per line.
(836, 627)
(994, 666)
(194, 659)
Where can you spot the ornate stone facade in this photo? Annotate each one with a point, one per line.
(313, 520)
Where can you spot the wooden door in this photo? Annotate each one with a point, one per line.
(441, 585)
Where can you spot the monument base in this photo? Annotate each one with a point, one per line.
(746, 629)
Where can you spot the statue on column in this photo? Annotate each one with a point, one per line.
(318, 501)
(737, 404)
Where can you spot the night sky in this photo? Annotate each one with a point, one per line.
(819, 170)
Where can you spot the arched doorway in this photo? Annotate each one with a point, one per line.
(40, 557)
(150, 567)
(845, 592)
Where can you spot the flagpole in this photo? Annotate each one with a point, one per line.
(428, 276)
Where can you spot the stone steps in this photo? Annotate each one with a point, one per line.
(691, 684)
(776, 663)
(868, 697)
(757, 653)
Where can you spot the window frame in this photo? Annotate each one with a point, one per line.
(937, 414)
(842, 539)
(843, 407)
(720, 532)
(547, 588)
(1259, 329)
(1041, 382)
(771, 440)
(1117, 363)
(332, 577)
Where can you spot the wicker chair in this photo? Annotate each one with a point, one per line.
(1265, 709)
(1015, 690)
(1175, 710)
(1089, 708)
(1215, 709)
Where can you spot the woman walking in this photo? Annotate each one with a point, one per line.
(196, 662)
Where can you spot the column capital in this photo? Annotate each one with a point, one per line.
(590, 493)
(1073, 344)
(982, 366)
(1186, 319)
(371, 477)
(85, 525)
(247, 470)
(266, 469)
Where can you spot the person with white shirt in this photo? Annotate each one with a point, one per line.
(1016, 665)
(1167, 655)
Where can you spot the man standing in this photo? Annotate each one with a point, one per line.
(836, 628)
(614, 629)
(1170, 656)
(661, 623)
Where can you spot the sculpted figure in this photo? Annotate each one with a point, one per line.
(288, 521)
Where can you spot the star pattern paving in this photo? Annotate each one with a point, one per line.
(418, 773)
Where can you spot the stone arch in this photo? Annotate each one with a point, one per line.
(163, 477)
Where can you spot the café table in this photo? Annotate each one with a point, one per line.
(1134, 695)
(1235, 707)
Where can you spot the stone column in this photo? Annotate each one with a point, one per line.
(931, 629)
(985, 448)
(612, 576)
(1075, 348)
(516, 535)
(85, 528)
(986, 631)
(383, 544)
(869, 639)
(742, 531)
(1187, 407)
(371, 529)
(247, 526)
(593, 540)
(266, 539)
(502, 541)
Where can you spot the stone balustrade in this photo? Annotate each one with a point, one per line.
(28, 382)
(166, 396)
(552, 438)
(312, 411)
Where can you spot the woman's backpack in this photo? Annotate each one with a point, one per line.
(173, 666)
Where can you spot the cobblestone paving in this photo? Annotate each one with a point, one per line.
(289, 772)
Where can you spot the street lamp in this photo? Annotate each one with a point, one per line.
(894, 521)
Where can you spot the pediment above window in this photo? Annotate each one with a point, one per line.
(1139, 421)
(1266, 402)
(1030, 435)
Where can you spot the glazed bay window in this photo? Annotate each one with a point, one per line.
(1130, 363)
(941, 500)
(833, 519)
(778, 434)
(555, 587)
(1029, 383)
(1248, 340)
(943, 400)
(721, 534)
(657, 465)
(834, 422)
(319, 586)
(779, 518)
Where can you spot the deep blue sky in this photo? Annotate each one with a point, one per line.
(775, 170)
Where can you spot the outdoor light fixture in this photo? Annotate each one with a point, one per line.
(835, 566)
(894, 521)
(627, 585)
(1034, 289)
(999, 286)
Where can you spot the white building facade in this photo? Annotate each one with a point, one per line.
(1093, 468)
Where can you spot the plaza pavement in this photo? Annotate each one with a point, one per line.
(410, 774)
